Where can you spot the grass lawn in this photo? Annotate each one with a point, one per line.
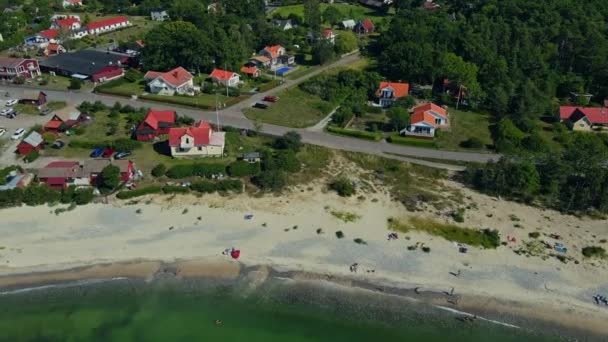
(140, 26)
(56, 105)
(465, 125)
(296, 108)
(26, 109)
(355, 12)
(302, 70)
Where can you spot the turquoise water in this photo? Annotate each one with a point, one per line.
(140, 313)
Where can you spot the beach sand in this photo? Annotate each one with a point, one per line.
(189, 233)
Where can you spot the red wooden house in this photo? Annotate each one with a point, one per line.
(64, 119)
(61, 174)
(36, 98)
(157, 122)
(33, 142)
(107, 73)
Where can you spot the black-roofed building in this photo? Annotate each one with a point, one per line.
(82, 64)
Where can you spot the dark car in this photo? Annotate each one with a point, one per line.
(122, 155)
(97, 152)
(271, 98)
(107, 153)
(260, 105)
(58, 144)
(45, 111)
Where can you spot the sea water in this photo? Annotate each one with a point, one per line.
(127, 310)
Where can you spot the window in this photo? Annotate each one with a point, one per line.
(438, 121)
(581, 125)
(187, 140)
(200, 148)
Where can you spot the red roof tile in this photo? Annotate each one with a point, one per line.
(596, 115)
(156, 116)
(422, 117)
(67, 22)
(431, 107)
(400, 89)
(106, 22)
(201, 132)
(53, 124)
(327, 33)
(49, 34)
(220, 74)
(175, 77)
(274, 50)
(249, 70)
(367, 24)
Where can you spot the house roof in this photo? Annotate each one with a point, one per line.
(67, 22)
(33, 139)
(74, 1)
(432, 109)
(10, 62)
(273, 50)
(595, 115)
(400, 89)
(53, 124)
(84, 62)
(67, 113)
(220, 74)
(91, 166)
(62, 169)
(422, 117)
(175, 77)
(281, 22)
(49, 34)
(250, 70)
(261, 59)
(200, 132)
(154, 117)
(349, 23)
(367, 24)
(430, 5)
(328, 33)
(106, 22)
(53, 47)
(108, 69)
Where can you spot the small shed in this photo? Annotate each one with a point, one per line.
(32, 97)
(33, 142)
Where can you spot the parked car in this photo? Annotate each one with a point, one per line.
(19, 133)
(58, 144)
(45, 111)
(271, 98)
(122, 155)
(107, 153)
(2, 131)
(260, 105)
(6, 112)
(97, 152)
(11, 102)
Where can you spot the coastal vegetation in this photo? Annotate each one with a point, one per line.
(485, 238)
(344, 216)
(594, 252)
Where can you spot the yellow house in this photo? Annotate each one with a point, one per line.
(197, 141)
(579, 122)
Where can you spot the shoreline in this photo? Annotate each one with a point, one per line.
(509, 314)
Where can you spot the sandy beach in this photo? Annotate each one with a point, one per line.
(140, 238)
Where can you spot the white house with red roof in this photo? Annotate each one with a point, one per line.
(107, 25)
(66, 24)
(69, 3)
(327, 34)
(197, 141)
(176, 81)
(425, 119)
(52, 49)
(584, 118)
(277, 55)
(225, 77)
(389, 92)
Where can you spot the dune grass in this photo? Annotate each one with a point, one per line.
(485, 238)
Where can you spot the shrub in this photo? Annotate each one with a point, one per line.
(355, 133)
(30, 157)
(268, 86)
(83, 196)
(75, 84)
(153, 189)
(396, 139)
(343, 186)
(287, 161)
(242, 168)
(11, 198)
(175, 189)
(229, 185)
(38, 194)
(594, 251)
(180, 171)
(289, 141)
(360, 241)
(159, 170)
(203, 186)
(273, 180)
(458, 215)
(49, 138)
(133, 75)
(125, 144)
(472, 142)
(534, 235)
(109, 178)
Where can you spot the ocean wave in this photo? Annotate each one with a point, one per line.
(479, 317)
(62, 285)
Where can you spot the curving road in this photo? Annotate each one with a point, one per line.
(233, 116)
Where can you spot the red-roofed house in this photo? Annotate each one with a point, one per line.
(157, 122)
(584, 118)
(425, 119)
(328, 34)
(107, 73)
(68, 3)
(52, 49)
(66, 24)
(107, 25)
(33, 142)
(61, 174)
(365, 26)
(430, 5)
(273, 53)
(389, 92)
(64, 119)
(50, 34)
(251, 70)
(13, 67)
(178, 80)
(197, 141)
(225, 77)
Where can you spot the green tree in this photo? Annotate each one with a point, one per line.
(109, 178)
(332, 15)
(75, 84)
(312, 15)
(346, 42)
(343, 186)
(399, 117)
(323, 52)
(291, 140)
(159, 170)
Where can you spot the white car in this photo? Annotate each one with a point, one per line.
(6, 111)
(2, 131)
(11, 102)
(18, 133)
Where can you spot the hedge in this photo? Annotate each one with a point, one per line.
(174, 189)
(153, 189)
(270, 85)
(396, 139)
(177, 101)
(122, 144)
(227, 185)
(30, 157)
(200, 169)
(243, 168)
(354, 133)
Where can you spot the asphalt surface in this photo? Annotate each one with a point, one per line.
(233, 116)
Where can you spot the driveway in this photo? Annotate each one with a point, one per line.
(233, 116)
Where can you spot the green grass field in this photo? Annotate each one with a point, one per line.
(465, 125)
(355, 12)
(296, 108)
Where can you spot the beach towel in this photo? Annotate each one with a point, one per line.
(235, 254)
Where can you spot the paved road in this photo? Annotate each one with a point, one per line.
(233, 116)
